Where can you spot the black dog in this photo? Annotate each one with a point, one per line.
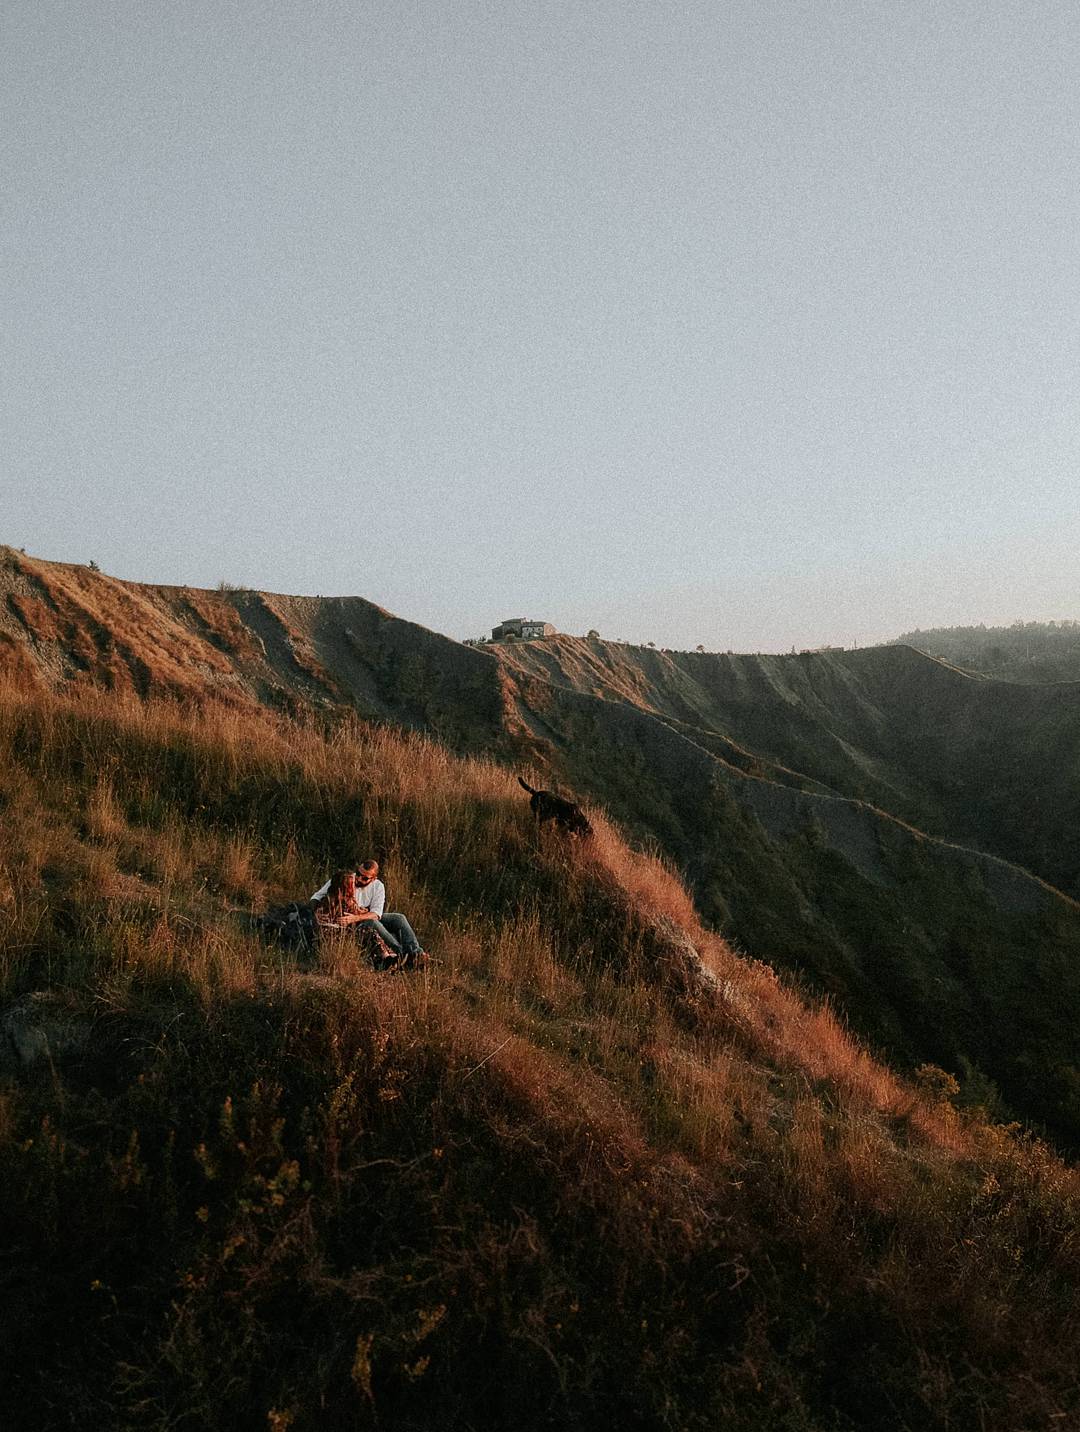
(547, 806)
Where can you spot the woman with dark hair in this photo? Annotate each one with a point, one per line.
(338, 906)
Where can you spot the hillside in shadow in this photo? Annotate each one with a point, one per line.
(932, 950)
(978, 762)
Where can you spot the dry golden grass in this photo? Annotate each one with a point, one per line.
(220, 620)
(461, 809)
(546, 1110)
(649, 880)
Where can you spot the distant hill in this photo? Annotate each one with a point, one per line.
(1025, 651)
(900, 835)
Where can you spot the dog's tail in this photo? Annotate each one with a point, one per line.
(532, 791)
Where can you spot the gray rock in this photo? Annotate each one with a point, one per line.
(41, 1029)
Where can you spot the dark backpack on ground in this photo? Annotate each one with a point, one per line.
(290, 927)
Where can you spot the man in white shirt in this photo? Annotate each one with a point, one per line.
(370, 896)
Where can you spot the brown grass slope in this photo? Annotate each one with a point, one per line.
(934, 952)
(592, 1170)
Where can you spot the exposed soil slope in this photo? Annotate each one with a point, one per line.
(61, 623)
(986, 763)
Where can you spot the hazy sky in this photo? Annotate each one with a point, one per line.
(737, 323)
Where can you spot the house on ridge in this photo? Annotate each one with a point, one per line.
(521, 629)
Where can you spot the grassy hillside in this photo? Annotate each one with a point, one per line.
(932, 952)
(591, 1170)
(62, 624)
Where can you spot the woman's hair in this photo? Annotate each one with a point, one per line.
(341, 897)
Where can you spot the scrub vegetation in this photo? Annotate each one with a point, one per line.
(1023, 651)
(592, 1169)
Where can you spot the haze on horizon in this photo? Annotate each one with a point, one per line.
(745, 324)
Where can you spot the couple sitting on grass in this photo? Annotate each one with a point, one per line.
(359, 898)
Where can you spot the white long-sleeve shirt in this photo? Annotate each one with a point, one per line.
(369, 897)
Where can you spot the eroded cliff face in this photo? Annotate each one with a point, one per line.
(984, 763)
(790, 790)
(61, 623)
(652, 733)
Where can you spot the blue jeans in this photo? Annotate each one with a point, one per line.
(397, 932)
